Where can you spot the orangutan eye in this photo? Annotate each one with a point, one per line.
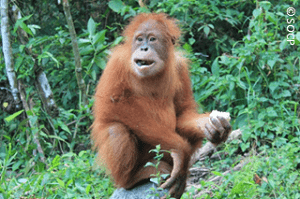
(152, 39)
(140, 39)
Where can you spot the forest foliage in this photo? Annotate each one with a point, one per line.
(244, 59)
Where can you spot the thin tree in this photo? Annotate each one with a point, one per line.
(7, 51)
(78, 68)
(16, 86)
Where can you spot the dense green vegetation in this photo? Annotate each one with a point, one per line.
(242, 62)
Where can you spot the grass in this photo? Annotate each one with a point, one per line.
(71, 175)
(272, 173)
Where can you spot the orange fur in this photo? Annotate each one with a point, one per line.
(133, 114)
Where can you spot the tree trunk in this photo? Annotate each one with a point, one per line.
(78, 68)
(7, 51)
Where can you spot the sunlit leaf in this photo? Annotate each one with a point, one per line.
(91, 26)
(116, 5)
(13, 116)
(256, 12)
(60, 182)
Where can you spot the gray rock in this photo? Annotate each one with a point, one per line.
(138, 192)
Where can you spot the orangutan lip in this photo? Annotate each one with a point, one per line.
(141, 62)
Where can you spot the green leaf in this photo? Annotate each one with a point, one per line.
(116, 5)
(283, 44)
(100, 47)
(191, 41)
(273, 86)
(20, 23)
(25, 18)
(71, 154)
(215, 68)
(79, 187)
(271, 63)
(86, 50)
(280, 14)
(13, 116)
(271, 112)
(45, 179)
(91, 26)
(117, 41)
(23, 180)
(81, 154)
(69, 182)
(246, 135)
(279, 141)
(53, 58)
(17, 165)
(149, 164)
(60, 182)
(19, 62)
(94, 75)
(295, 140)
(87, 189)
(99, 37)
(263, 99)
(244, 146)
(211, 26)
(33, 120)
(251, 24)
(158, 147)
(261, 115)
(64, 127)
(33, 27)
(25, 28)
(271, 17)
(187, 47)
(154, 180)
(56, 137)
(100, 62)
(286, 93)
(206, 30)
(217, 173)
(22, 47)
(84, 41)
(239, 66)
(201, 28)
(256, 12)
(298, 36)
(266, 5)
(164, 176)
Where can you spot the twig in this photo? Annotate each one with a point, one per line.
(32, 125)
(208, 149)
